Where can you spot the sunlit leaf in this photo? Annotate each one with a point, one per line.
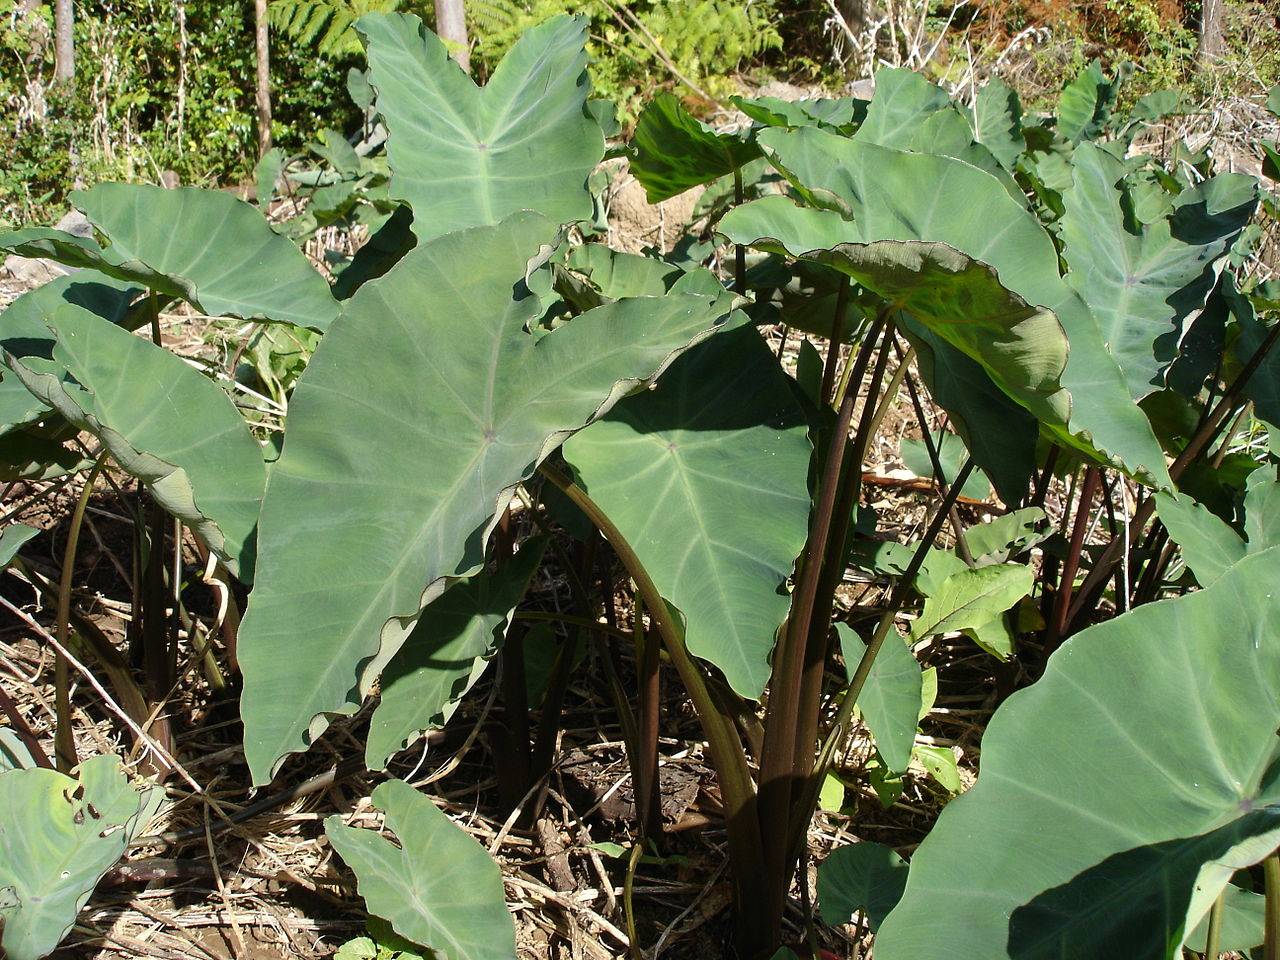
(1117, 794)
(466, 156)
(435, 885)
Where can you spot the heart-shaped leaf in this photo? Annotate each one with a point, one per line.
(903, 100)
(1117, 794)
(423, 407)
(58, 836)
(161, 421)
(446, 654)
(862, 876)
(706, 476)
(465, 156)
(435, 885)
(890, 698)
(1143, 281)
(1085, 104)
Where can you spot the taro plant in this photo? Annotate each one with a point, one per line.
(488, 397)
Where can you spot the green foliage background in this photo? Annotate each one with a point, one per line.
(132, 113)
(135, 111)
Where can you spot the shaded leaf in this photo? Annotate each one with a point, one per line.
(12, 538)
(445, 654)
(952, 455)
(860, 876)
(1243, 919)
(382, 251)
(674, 151)
(26, 455)
(465, 156)
(436, 886)
(999, 433)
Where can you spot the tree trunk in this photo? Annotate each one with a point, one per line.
(264, 76)
(451, 26)
(64, 51)
(1212, 46)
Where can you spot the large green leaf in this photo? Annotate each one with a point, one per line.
(161, 421)
(1116, 795)
(423, 407)
(860, 876)
(23, 330)
(910, 198)
(1143, 281)
(446, 654)
(706, 476)
(675, 151)
(465, 156)
(204, 246)
(957, 296)
(890, 698)
(435, 885)
(58, 836)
